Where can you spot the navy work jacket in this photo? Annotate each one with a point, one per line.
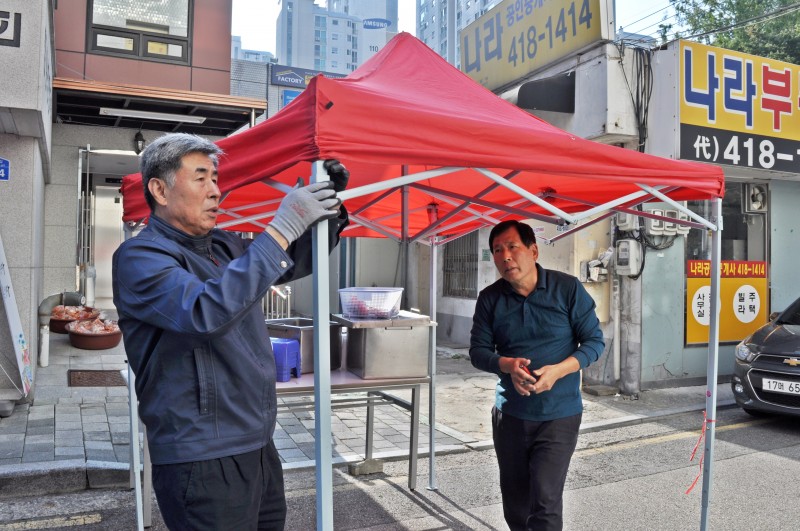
(190, 311)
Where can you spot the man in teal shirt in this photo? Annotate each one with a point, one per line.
(536, 329)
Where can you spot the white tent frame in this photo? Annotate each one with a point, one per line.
(322, 384)
(321, 303)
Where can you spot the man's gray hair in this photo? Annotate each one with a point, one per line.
(162, 158)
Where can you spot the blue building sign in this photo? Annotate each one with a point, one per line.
(292, 76)
(288, 95)
(5, 169)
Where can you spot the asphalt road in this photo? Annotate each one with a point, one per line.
(629, 478)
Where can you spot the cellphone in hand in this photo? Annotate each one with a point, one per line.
(526, 369)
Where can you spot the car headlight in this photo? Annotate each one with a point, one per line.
(743, 352)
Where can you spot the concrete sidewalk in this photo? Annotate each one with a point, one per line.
(73, 438)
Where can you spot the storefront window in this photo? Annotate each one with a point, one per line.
(744, 230)
(155, 29)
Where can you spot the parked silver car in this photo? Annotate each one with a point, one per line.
(766, 377)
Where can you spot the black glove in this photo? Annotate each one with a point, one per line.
(338, 174)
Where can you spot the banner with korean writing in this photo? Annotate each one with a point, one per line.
(517, 37)
(738, 109)
(743, 300)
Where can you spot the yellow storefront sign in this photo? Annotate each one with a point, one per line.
(742, 305)
(517, 37)
(738, 109)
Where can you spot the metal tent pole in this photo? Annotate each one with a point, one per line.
(432, 368)
(135, 468)
(713, 356)
(322, 365)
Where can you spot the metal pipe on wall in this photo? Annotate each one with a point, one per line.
(78, 233)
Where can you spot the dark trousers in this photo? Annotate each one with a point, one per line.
(534, 459)
(240, 492)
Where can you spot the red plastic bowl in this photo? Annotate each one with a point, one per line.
(59, 326)
(93, 341)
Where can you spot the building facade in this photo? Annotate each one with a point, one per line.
(92, 82)
(337, 38)
(279, 84)
(432, 20)
(241, 54)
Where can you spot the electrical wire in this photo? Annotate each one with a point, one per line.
(766, 17)
(651, 14)
(673, 17)
(642, 90)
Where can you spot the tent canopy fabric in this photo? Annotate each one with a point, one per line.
(407, 111)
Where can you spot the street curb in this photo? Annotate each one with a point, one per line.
(32, 479)
(630, 420)
(61, 477)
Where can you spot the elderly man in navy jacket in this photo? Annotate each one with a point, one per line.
(189, 302)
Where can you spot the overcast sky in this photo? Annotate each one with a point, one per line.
(254, 20)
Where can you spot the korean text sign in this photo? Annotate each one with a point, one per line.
(743, 299)
(517, 37)
(738, 109)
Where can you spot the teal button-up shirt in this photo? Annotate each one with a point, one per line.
(555, 321)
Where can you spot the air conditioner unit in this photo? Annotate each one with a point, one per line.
(754, 198)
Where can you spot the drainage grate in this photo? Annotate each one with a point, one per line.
(78, 378)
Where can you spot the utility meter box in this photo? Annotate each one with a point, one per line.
(670, 228)
(629, 257)
(655, 227)
(626, 222)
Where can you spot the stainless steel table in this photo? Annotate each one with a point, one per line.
(377, 391)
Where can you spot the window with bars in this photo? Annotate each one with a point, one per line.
(460, 267)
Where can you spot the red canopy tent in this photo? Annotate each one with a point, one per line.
(431, 152)
(407, 111)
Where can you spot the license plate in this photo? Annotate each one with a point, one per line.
(780, 386)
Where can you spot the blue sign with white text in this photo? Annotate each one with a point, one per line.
(5, 169)
(288, 96)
